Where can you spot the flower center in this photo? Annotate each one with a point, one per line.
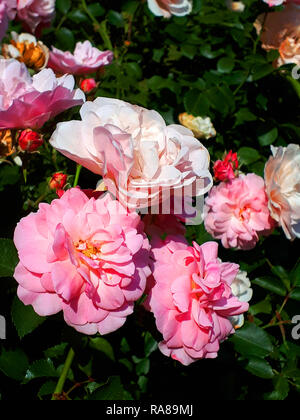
(89, 249)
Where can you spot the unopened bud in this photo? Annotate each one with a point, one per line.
(87, 85)
(30, 141)
(58, 181)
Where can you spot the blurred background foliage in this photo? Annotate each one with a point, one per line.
(209, 64)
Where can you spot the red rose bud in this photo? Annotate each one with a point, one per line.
(30, 141)
(87, 85)
(58, 181)
(224, 169)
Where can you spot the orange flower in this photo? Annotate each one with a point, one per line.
(6, 143)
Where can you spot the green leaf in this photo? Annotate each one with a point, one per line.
(263, 307)
(14, 364)
(96, 10)
(281, 273)
(103, 346)
(65, 38)
(78, 16)
(260, 367)
(56, 351)
(225, 65)
(196, 103)
(112, 390)
(272, 284)
(47, 388)
(40, 369)
(252, 341)
(8, 258)
(295, 274)
(9, 175)
(248, 155)
(63, 6)
(269, 137)
(295, 294)
(150, 344)
(262, 70)
(24, 318)
(143, 367)
(115, 19)
(281, 391)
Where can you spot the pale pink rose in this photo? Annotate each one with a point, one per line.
(86, 59)
(280, 30)
(35, 14)
(167, 8)
(191, 298)
(237, 212)
(85, 257)
(28, 102)
(141, 159)
(282, 178)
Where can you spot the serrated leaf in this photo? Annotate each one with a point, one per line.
(24, 318)
(112, 390)
(40, 369)
(56, 351)
(281, 391)
(252, 341)
(8, 257)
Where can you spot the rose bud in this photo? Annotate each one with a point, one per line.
(30, 141)
(224, 169)
(87, 85)
(58, 181)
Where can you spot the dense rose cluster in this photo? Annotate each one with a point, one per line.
(89, 254)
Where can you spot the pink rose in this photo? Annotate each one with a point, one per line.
(280, 30)
(35, 14)
(167, 8)
(282, 177)
(141, 160)
(85, 257)
(237, 212)
(192, 299)
(86, 59)
(27, 102)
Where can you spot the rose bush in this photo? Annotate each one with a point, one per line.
(115, 244)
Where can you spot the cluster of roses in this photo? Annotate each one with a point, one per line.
(89, 253)
(244, 207)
